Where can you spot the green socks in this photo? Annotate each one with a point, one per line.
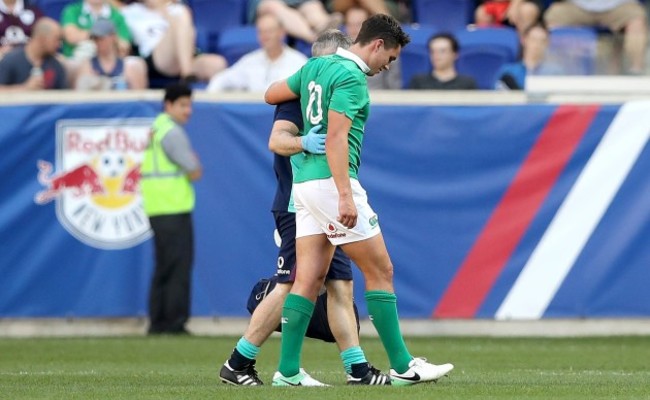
(352, 355)
(382, 307)
(247, 349)
(295, 319)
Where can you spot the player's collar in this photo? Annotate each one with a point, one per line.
(351, 56)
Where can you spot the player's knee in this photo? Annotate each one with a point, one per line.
(339, 291)
(382, 275)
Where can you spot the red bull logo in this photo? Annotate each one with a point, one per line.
(96, 181)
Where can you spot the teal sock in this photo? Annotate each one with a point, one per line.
(247, 349)
(353, 355)
(382, 307)
(295, 319)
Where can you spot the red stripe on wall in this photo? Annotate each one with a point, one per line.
(513, 215)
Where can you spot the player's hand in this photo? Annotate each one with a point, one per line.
(347, 212)
(314, 142)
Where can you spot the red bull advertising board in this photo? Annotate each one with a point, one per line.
(96, 181)
(516, 211)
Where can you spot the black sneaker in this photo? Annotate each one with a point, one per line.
(373, 377)
(246, 377)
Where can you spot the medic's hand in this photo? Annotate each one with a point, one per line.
(314, 142)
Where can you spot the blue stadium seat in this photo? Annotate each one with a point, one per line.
(211, 17)
(446, 15)
(482, 64)
(235, 42)
(484, 50)
(504, 37)
(51, 8)
(574, 49)
(415, 56)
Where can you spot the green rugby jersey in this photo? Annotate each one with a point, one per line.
(336, 82)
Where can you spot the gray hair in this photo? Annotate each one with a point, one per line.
(329, 41)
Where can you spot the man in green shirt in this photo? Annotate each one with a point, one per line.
(331, 206)
(77, 19)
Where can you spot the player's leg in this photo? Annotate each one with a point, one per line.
(343, 323)
(239, 368)
(314, 253)
(372, 258)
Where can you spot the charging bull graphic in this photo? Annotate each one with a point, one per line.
(96, 182)
(81, 180)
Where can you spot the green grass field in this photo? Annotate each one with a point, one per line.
(187, 367)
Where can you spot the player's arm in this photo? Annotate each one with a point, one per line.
(279, 92)
(285, 139)
(336, 149)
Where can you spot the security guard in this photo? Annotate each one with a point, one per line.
(168, 169)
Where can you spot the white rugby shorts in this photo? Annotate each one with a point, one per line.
(317, 207)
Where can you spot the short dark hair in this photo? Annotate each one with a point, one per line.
(177, 90)
(385, 27)
(455, 47)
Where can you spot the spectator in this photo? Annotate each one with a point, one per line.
(34, 66)
(107, 70)
(77, 19)
(533, 61)
(388, 80)
(166, 38)
(618, 15)
(16, 22)
(256, 70)
(303, 19)
(443, 52)
(519, 14)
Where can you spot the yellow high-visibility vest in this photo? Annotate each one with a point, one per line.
(164, 186)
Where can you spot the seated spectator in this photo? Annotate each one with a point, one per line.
(303, 19)
(519, 14)
(77, 19)
(107, 70)
(443, 52)
(533, 60)
(16, 22)
(256, 70)
(387, 80)
(166, 38)
(34, 66)
(628, 16)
